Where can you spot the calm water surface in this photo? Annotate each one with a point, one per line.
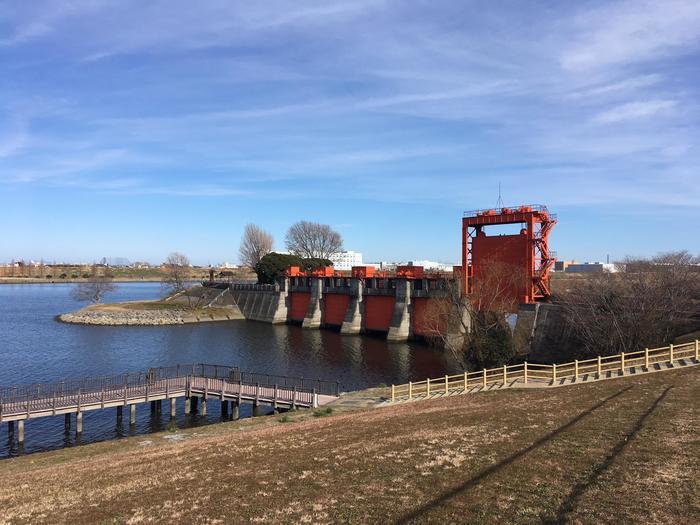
(35, 347)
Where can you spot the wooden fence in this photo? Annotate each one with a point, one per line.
(548, 375)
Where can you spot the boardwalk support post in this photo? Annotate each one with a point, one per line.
(314, 403)
(173, 408)
(20, 431)
(410, 390)
(484, 378)
(427, 387)
(203, 410)
(188, 403)
(393, 395)
(132, 414)
(466, 381)
(120, 413)
(79, 423)
(447, 384)
(274, 403)
(697, 349)
(600, 367)
(66, 420)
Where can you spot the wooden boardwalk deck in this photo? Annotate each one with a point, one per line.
(203, 382)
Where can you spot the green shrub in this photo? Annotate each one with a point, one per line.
(284, 419)
(323, 412)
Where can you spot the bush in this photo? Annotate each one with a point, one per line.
(49, 276)
(63, 276)
(491, 349)
(284, 419)
(323, 412)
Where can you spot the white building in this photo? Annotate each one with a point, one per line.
(433, 265)
(591, 267)
(346, 260)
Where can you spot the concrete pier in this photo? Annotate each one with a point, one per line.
(132, 414)
(400, 328)
(20, 431)
(79, 423)
(235, 410)
(352, 324)
(188, 404)
(203, 410)
(173, 408)
(314, 311)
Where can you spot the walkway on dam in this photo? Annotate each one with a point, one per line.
(193, 382)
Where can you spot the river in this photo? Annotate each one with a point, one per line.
(34, 347)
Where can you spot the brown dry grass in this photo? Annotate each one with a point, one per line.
(622, 451)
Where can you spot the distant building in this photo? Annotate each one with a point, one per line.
(228, 265)
(432, 265)
(561, 266)
(591, 267)
(346, 260)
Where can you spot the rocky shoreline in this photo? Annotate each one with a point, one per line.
(93, 316)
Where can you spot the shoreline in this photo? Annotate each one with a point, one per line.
(147, 313)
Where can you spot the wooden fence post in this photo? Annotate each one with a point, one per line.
(646, 359)
(392, 393)
(622, 363)
(466, 380)
(575, 370)
(427, 387)
(697, 350)
(484, 378)
(410, 390)
(447, 384)
(505, 376)
(554, 373)
(670, 353)
(600, 366)
(525, 372)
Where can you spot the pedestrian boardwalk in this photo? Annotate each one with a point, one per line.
(202, 381)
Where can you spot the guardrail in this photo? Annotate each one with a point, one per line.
(547, 375)
(134, 380)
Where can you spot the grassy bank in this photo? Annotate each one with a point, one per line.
(622, 451)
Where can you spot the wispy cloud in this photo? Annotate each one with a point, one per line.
(633, 110)
(633, 31)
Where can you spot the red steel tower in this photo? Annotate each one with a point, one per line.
(527, 251)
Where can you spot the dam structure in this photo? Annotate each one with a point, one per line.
(364, 301)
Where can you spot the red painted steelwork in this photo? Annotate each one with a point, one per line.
(378, 312)
(300, 305)
(531, 254)
(334, 308)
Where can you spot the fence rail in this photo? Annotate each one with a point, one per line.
(547, 375)
(157, 378)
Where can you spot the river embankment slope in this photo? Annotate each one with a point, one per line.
(593, 453)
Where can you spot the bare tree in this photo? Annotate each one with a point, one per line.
(94, 288)
(176, 272)
(255, 244)
(646, 303)
(312, 240)
(474, 327)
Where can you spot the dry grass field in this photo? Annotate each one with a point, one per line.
(620, 451)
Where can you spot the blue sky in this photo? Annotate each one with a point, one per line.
(134, 129)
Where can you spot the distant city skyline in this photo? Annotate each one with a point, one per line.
(134, 130)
